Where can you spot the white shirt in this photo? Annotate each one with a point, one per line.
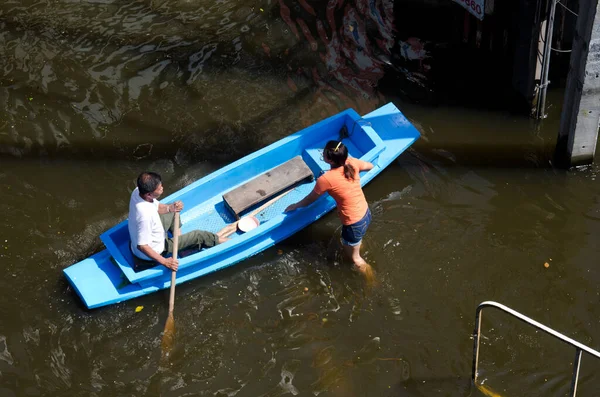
(145, 227)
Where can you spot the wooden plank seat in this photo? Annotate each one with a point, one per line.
(267, 185)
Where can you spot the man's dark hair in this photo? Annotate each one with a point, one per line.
(148, 182)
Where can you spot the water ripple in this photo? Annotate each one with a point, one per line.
(4, 353)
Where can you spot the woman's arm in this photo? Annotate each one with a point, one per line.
(364, 165)
(309, 199)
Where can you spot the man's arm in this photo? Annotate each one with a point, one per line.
(170, 263)
(173, 207)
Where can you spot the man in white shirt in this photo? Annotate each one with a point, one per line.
(149, 221)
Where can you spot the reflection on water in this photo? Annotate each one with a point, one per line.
(96, 77)
(93, 92)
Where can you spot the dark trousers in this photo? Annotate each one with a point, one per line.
(197, 239)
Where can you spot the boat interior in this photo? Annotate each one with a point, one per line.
(205, 208)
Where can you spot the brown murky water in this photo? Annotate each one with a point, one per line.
(92, 92)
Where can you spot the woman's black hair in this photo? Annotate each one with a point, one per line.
(337, 153)
(148, 182)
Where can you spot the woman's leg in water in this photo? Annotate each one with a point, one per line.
(353, 252)
(367, 271)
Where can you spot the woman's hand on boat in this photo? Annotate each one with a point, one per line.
(171, 263)
(291, 207)
(308, 200)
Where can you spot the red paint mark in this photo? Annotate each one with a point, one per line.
(362, 7)
(291, 84)
(307, 7)
(313, 43)
(285, 15)
(322, 32)
(331, 7)
(384, 45)
(315, 75)
(266, 49)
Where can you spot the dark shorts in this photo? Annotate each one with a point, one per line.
(353, 234)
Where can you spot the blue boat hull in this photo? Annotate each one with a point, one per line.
(108, 276)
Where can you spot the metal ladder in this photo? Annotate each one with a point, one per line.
(579, 348)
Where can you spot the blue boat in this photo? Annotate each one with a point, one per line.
(110, 276)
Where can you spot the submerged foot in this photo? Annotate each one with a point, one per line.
(367, 271)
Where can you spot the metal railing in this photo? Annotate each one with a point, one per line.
(579, 348)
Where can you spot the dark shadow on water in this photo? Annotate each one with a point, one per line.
(494, 155)
(215, 149)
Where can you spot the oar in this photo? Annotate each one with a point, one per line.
(232, 227)
(169, 332)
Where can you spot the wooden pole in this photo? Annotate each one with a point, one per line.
(169, 332)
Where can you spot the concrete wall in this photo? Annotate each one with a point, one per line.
(529, 27)
(581, 108)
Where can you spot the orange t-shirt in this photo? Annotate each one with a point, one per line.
(351, 203)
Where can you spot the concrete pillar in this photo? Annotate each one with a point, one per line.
(527, 60)
(580, 116)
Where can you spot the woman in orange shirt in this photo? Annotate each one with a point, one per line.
(342, 182)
